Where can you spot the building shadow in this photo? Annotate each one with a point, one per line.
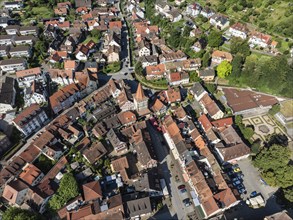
(163, 214)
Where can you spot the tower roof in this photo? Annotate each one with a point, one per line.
(139, 95)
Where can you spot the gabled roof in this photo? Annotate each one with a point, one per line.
(92, 191)
(225, 197)
(205, 122)
(139, 206)
(157, 106)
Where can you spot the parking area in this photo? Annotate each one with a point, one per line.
(252, 180)
(245, 178)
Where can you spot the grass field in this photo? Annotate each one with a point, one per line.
(274, 17)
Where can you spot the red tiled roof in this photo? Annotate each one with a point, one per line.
(205, 122)
(92, 191)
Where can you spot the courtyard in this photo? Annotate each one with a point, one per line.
(264, 126)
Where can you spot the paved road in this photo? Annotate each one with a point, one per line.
(178, 210)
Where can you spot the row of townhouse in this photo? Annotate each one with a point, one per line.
(17, 51)
(210, 193)
(16, 40)
(21, 30)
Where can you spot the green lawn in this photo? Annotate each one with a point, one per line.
(90, 38)
(42, 12)
(112, 67)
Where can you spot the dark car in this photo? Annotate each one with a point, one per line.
(183, 190)
(125, 74)
(186, 202)
(181, 186)
(253, 194)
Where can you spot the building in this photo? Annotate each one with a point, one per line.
(259, 39)
(13, 5)
(238, 30)
(15, 191)
(20, 51)
(219, 21)
(7, 95)
(178, 78)
(92, 191)
(172, 57)
(246, 102)
(113, 54)
(31, 174)
(12, 29)
(64, 98)
(28, 30)
(158, 107)
(116, 141)
(6, 39)
(30, 120)
(233, 148)
(138, 207)
(198, 91)
(155, 72)
(140, 100)
(94, 152)
(151, 60)
(23, 40)
(207, 74)
(219, 56)
(142, 143)
(283, 215)
(210, 107)
(144, 48)
(13, 65)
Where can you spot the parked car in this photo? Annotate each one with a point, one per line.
(242, 191)
(253, 194)
(230, 173)
(240, 186)
(181, 187)
(235, 166)
(236, 170)
(186, 202)
(239, 175)
(183, 190)
(234, 179)
(125, 74)
(236, 183)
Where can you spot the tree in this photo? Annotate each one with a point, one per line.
(211, 87)
(255, 147)
(96, 34)
(206, 59)
(175, 38)
(274, 165)
(240, 46)
(67, 190)
(288, 194)
(215, 39)
(193, 77)
(237, 64)
(13, 213)
(224, 69)
(138, 68)
(186, 31)
(275, 109)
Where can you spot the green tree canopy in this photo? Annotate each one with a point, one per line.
(206, 59)
(174, 39)
(239, 46)
(67, 190)
(273, 163)
(13, 213)
(215, 39)
(224, 69)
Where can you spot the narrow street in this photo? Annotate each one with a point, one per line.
(177, 210)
